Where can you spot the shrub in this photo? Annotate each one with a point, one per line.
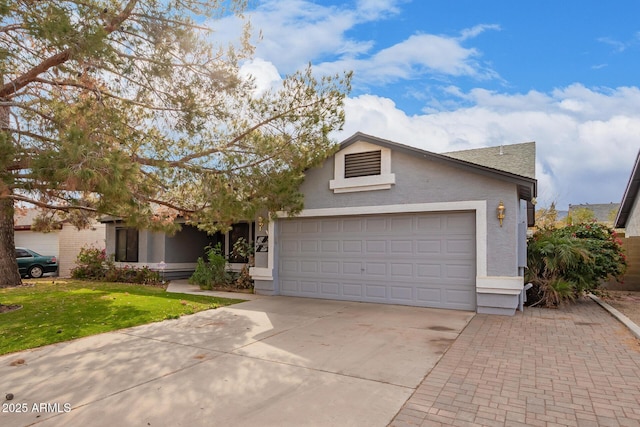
(605, 247)
(245, 250)
(128, 274)
(147, 276)
(212, 272)
(92, 263)
(551, 260)
(564, 263)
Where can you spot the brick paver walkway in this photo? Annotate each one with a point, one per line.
(576, 366)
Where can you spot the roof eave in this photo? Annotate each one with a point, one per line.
(527, 187)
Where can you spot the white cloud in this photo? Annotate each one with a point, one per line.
(472, 32)
(621, 46)
(586, 137)
(584, 153)
(375, 9)
(618, 46)
(296, 32)
(417, 56)
(264, 73)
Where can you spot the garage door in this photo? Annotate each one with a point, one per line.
(42, 243)
(412, 259)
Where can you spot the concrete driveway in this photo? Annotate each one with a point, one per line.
(271, 361)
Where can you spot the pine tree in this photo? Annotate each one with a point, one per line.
(128, 109)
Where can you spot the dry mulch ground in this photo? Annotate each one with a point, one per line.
(8, 308)
(627, 302)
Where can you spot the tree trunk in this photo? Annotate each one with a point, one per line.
(9, 275)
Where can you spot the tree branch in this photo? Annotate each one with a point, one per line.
(13, 27)
(240, 136)
(102, 93)
(44, 205)
(61, 57)
(170, 21)
(168, 205)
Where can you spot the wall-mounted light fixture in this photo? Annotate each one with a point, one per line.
(260, 223)
(500, 210)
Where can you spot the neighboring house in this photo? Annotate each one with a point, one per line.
(604, 213)
(64, 242)
(629, 213)
(175, 256)
(562, 215)
(628, 218)
(388, 223)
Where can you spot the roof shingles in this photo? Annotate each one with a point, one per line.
(518, 159)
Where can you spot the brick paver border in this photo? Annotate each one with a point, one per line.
(574, 366)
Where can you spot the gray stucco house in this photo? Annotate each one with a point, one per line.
(388, 223)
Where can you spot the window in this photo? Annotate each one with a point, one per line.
(238, 231)
(126, 245)
(362, 164)
(21, 253)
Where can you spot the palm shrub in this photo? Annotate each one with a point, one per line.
(605, 248)
(550, 260)
(567, 262)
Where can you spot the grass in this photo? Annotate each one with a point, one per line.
(56, 311)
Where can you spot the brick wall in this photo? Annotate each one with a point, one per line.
(72, 240)
(631, 280)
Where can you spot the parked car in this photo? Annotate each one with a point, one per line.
(32, 264)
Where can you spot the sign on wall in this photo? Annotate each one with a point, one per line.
(262, 244)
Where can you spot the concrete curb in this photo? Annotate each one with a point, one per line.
(183, 287)
(635, 329)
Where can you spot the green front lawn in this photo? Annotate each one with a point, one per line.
(55, 311)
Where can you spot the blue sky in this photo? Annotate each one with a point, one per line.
(457, 74)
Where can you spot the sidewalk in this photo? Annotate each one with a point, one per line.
(576, 366)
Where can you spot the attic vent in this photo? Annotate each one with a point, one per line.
(362, 164)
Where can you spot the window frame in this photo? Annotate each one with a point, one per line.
(131, 252)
